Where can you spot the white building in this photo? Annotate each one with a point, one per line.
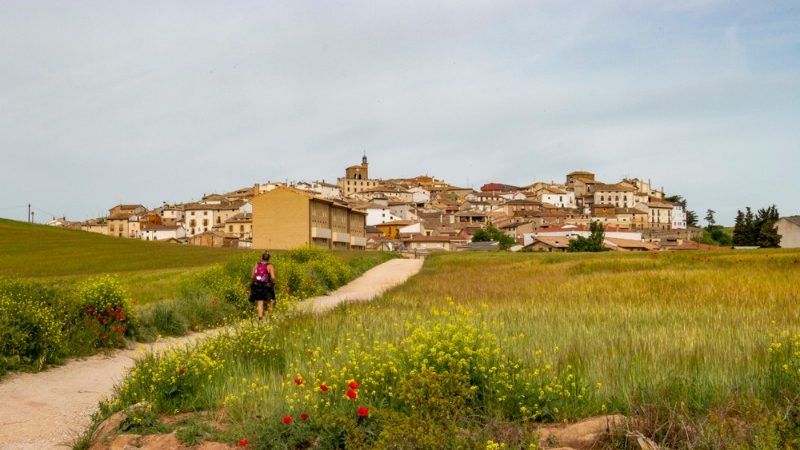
(171, 213)
(559, 197)
(321, 188)
(678, 218)
(163, 232)
(570, 231)
(377, 214)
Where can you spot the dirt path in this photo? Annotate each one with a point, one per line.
(48, 409)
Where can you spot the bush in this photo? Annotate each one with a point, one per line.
(106, 305)
(30, 334)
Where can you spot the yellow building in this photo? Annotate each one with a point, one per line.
(284, 218)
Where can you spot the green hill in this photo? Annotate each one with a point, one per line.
(37, 251)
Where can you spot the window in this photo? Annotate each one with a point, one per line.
(192, 213)
(241, 228)
(205, 222)
(230, 228)
(205, 213)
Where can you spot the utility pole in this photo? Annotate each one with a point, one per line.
(29, 213)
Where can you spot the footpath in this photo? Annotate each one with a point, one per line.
(47, 410)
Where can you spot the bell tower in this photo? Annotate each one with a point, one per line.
(358, 172)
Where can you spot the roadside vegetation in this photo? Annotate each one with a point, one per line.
(700, 349)
(62, 312)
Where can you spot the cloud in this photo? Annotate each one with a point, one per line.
(144, 102)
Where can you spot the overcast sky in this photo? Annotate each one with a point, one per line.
(103, 102)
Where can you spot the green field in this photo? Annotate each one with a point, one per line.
(680, 341)
(150, 271)
(67, 293)
(39, 251)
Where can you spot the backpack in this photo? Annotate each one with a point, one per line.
(262, 274)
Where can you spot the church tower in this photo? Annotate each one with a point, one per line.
(356, 179)
(358, 172)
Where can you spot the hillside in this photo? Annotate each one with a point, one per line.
(28, 250)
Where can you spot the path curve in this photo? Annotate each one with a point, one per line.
(47, 410)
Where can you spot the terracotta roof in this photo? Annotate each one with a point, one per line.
(160, 228)
(553, 241)
(240, 218)
(397, 222)
(123, 206)
(212, 207)
(420, 238)
(554, 190)
(630, 243)
(618, 187)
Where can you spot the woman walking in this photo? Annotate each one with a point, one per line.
(262, 285)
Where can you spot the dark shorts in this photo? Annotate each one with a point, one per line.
(261, 292)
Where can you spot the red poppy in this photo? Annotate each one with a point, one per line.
(133, 301)
(298, 381)
(287, 420)
(181, 371)
(352, 385)
(352, 394)
(323, 387)
(243, 443)
(304, 416)
(363, 411)
(121, 329)
(796, 261)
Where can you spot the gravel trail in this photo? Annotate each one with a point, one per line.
(47, 410)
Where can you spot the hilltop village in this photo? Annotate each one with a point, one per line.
(420, 213)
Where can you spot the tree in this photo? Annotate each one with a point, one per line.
(710, 219)
(739, 230)
(594, 243)
(691, 216)
(766, 222)
(492, 234)
(757, 229)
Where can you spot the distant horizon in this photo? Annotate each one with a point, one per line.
(108, 102)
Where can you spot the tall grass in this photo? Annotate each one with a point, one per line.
(681, 336)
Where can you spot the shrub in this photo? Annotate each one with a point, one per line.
(30, 334)
(106, 304)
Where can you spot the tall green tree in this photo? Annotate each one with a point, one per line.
(710, 219)
(766, 221)
(757, 229)
(739, 230)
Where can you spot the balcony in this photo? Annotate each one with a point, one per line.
(322, 233)
(358, 241)
(341, 237)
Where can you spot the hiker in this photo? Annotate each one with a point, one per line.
(262, 285)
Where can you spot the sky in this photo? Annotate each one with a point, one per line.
(150, 101)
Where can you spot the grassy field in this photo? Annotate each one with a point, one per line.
(67, 293)
(40, 251)
(680, 340)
